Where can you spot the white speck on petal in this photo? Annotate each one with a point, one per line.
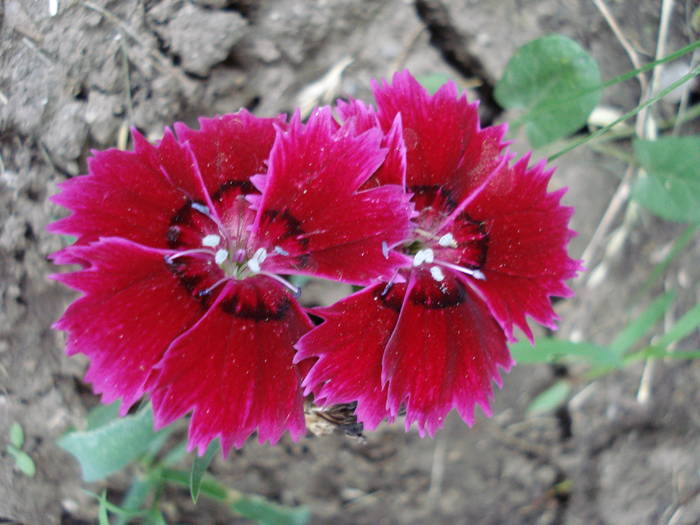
(447, 241)
(257, 259)
(385, 249)
(424, 255)
(211, 240)
(201, 208)
(281, 251)
(220, 256)
(437, 274)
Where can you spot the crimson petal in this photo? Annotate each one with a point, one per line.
(443, 354)
(445, 145)
(349, 345)
(234, 368)
(132, 310)
(312, 219)
(230, 149)
(125, 194)
(364, 117)
(528, 232)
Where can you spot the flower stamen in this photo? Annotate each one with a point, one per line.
(447, 241)
(212, 240)
(295, 291)
(477, 274)
(425, 255)
(437, 273)
(220, 256)
(185, 253)
(257, 259)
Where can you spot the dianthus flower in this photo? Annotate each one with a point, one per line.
(181, 246)
(488, 248)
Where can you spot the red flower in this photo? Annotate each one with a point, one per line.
(181, 244)
(488, 249)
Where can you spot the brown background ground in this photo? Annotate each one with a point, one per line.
(66, 88)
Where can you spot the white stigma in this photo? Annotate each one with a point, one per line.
(281, 251)
(424, 255)
(220, 256)
(437, 274)
(447, 241)
(257, 259)
(385, 249)
(212, 240)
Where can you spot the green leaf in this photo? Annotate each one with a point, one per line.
(116, 509)
(268, 513)
(135, 498)
(654, 352)
(23, 461)
(16, 435)
(550, 399)
(555, 82)
(682, 328)
(102, 516)
(639, 327)
(671, 186)
(102, 414)
(111, 447)
(253, 507)
(199, 468)
(433, 81)
(549, 350)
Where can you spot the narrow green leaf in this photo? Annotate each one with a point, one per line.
(156, 518)
(639, 327)
(102, 414)
(23, 461)
(550, 350)
(550, 399)
(116, 509)
(199, 468)
(433, 81)
(602, 131)
(209, 487)
(556, 83)
(111, 447)
(102, 516)
(682, 328)
(268, 513)
(135, 498)
(16, 435)
(671, 186)
(654, 352)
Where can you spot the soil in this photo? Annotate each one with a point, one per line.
(77, 80)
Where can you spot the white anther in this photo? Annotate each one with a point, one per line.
(212, 240)
(201, 208)
(424, 255)
(437, 274)
(257, 259)
(385, 249)
(220, 256)
(447, 241)
(281, 251)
